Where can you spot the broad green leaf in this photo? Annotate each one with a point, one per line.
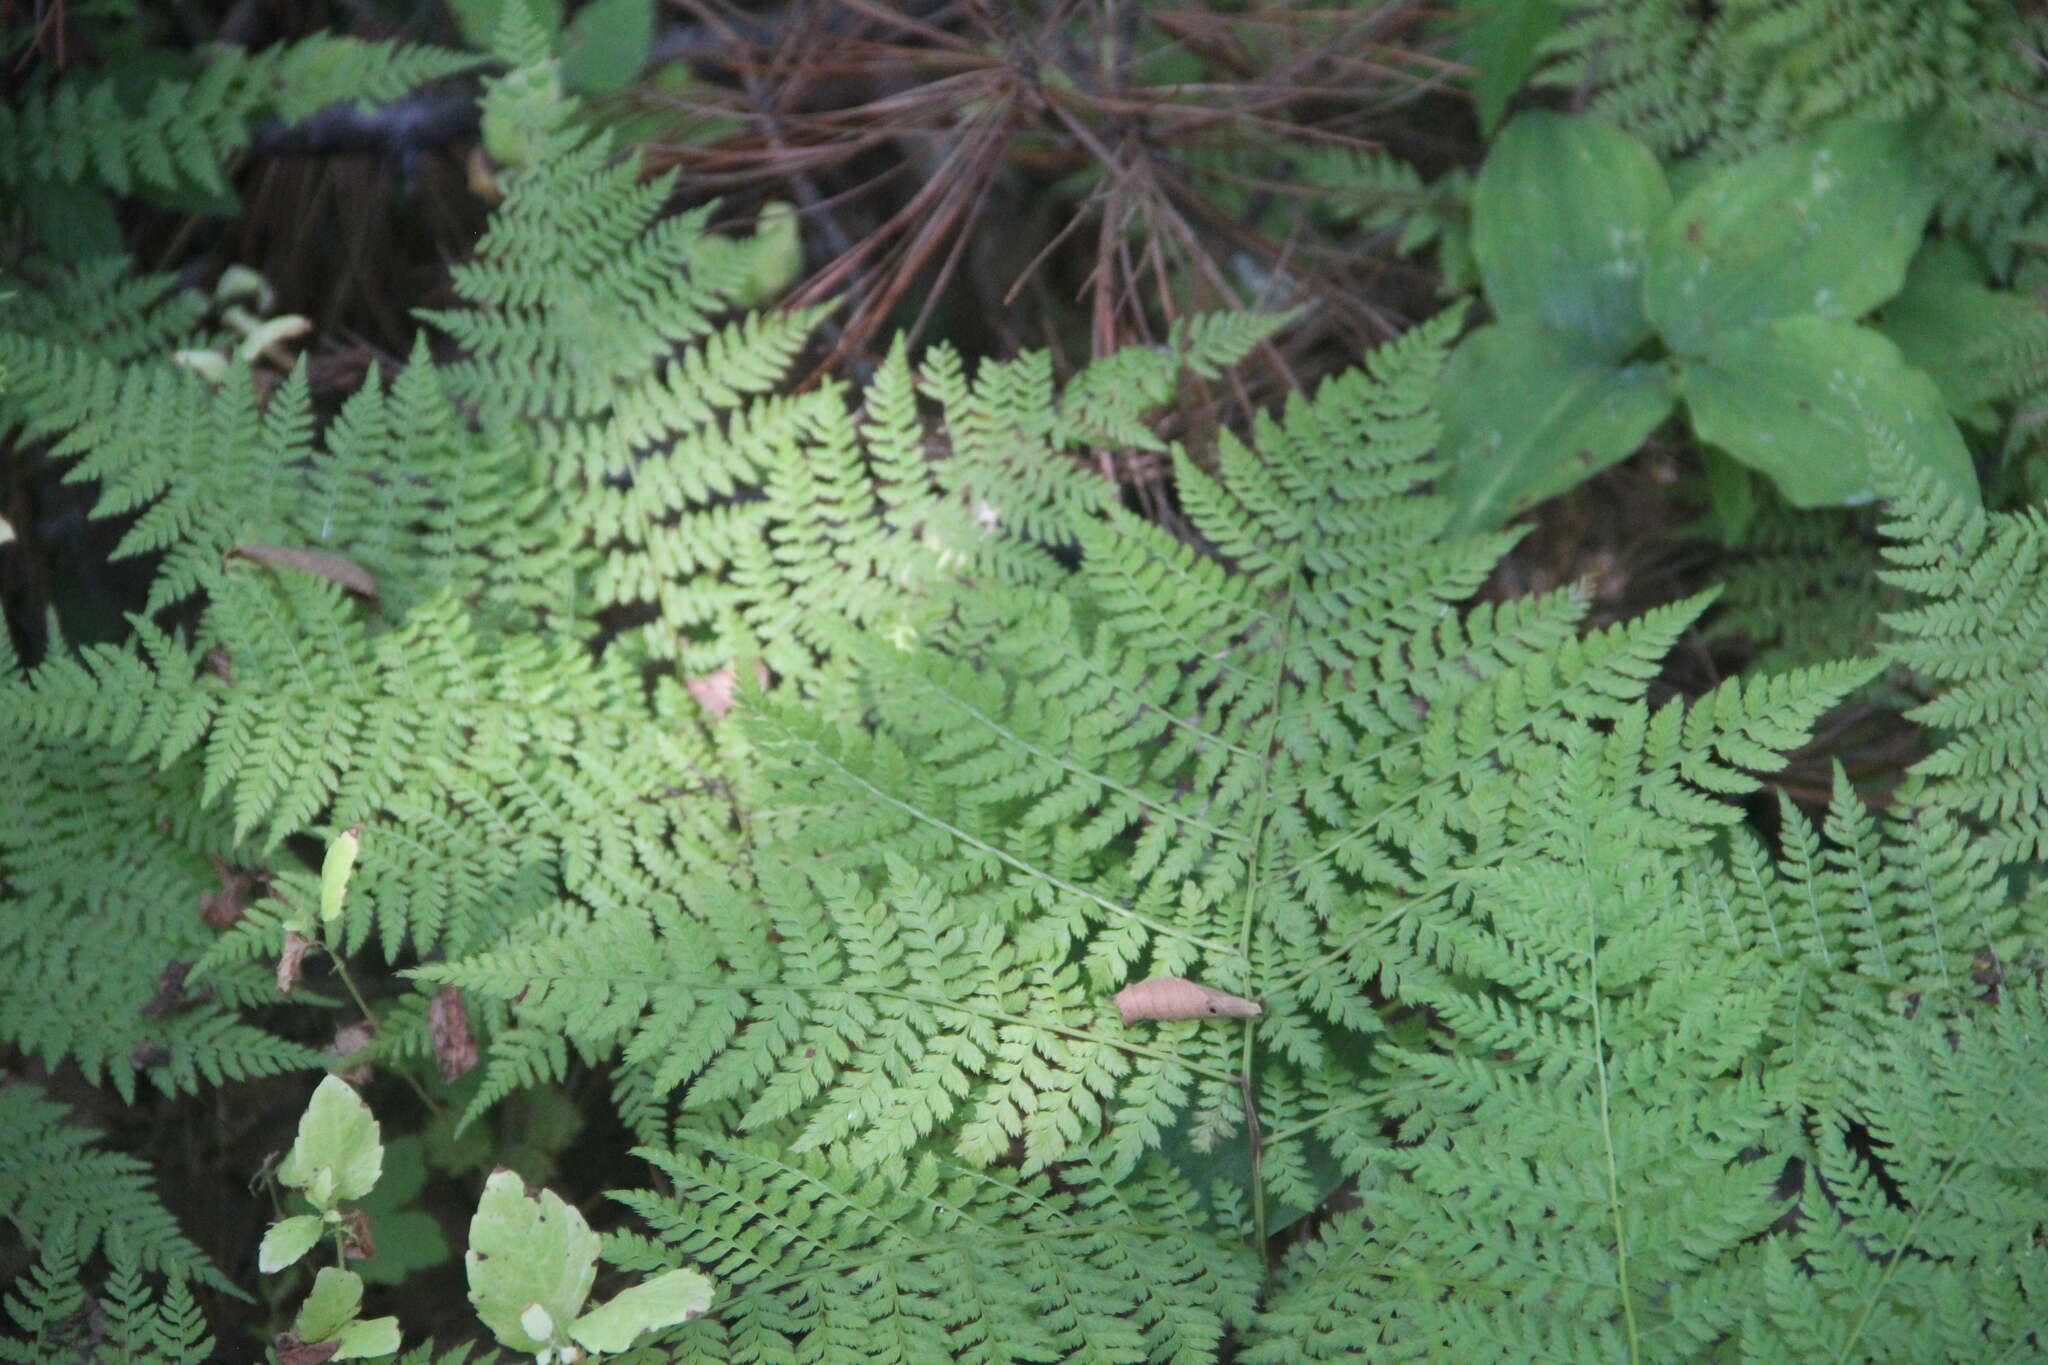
(338, 1137)
(1803, 400)
(669, 1298)
(523, 1251)
(287, 1240)
(1947, 322)
(1561, 220)
(1820, 228)
(1500, 41)
(407, 1239)
(368, 1338)
(478, 20)
(335, 870)
(1731, 492)
(605, 45)
(331, 1305)
(778, 256)
(1527, 416)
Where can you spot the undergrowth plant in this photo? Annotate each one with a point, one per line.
(1752, 285)
(823, 769)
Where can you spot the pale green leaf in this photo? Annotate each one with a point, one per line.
(669, 1298)
(368, 1338)
(338, 1153)
(526, 1250)
(335, 870)
(331, 1306)
(288, 1240)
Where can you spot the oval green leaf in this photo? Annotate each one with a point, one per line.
(1526, 416)
(1561, 221)
(525, 1251)
(605, 46)
(287, 1240)
(669, 1298)
(1803, 400)
(336, 868)
(1822, 228)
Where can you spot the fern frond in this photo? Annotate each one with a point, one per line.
(1928, 1241)
(179, 132)
(72, 1198)
(1590, 1159)
(1729, 80)
(1980, 631)
(1280, 782)
(940, 1263)
(130, 1325)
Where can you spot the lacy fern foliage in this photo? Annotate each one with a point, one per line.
(1557, 1058)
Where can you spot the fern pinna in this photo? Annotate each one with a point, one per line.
(1556, 1059)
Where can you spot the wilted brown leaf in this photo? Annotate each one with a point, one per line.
(292, 1351)
(170, 993)
(1176, 997)
(290, 960)
(714, 690)
(223, 907)
(350, 1039)
(448, 1029)
(356, 1241)
(338, 569)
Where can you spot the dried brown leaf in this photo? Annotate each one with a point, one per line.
(170, 996)
(337, 569)
(350, 1039)
(714, 690)
(356, 1241)
(223, 907)
(292, 1351)
(290, 960)
(1176, 997)
(448, 1029)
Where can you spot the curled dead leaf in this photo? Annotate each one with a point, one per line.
(448, 1030)
(223, 907)
(350, 1039)
(292, 1351)
(337, 569)
(1176, 997)
(356, 1242)
(714, 690)
(171, 996)
(291, 959)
